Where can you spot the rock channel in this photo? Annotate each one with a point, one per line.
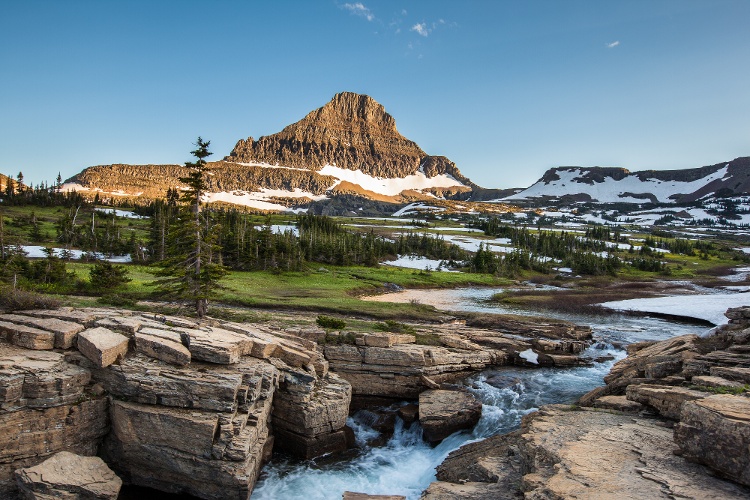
(672, 421)
(197, 408)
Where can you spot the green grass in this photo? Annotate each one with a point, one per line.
(329, 289)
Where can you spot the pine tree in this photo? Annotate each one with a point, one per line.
(193, 268)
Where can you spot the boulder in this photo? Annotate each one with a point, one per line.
(67, 476)
(715, 431)
(442, 412)
(102, 346)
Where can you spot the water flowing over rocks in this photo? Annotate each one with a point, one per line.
(392, 365)
(168, 403)
(656, 430)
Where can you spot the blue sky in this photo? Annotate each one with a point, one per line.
(506, 89)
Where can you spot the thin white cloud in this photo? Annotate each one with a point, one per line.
(421, 29)
(613, 44)
(358, 9)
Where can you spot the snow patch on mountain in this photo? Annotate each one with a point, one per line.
(611, 190)
(390, 186)
(260, 199)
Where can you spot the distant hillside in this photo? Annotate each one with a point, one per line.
(618, 185)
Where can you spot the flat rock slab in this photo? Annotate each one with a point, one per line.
(666, 400)
(711, 381)
(65, 331)
(27, 336)
(169, 350)
(590, 454)
(715, 431)
(732, 373)
(618, 403)
(441, 413)
(350, 495)
(102, 346)
(68, 476)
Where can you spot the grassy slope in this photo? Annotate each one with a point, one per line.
(328, 289)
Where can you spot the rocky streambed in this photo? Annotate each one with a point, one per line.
(198, 408)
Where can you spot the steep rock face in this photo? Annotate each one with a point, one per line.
(196, 424)
(352, 131)
(46, 406)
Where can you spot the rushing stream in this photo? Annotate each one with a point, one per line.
(405, 465)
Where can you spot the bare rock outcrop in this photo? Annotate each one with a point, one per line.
(715, 431)
(352, 131)
(169, 403)
(562, 452)
(656, 430)
(67, 476)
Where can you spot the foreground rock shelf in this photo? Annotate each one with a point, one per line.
(168, 403)
(658, 429)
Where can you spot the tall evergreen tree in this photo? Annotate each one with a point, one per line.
(193, 268)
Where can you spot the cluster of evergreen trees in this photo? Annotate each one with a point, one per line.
(243, 245)
(585, 254)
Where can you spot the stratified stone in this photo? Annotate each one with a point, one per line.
(102, 346)
(216, 345)
(67, 476)
(664, 399)
(618, 403)
(442, 412)
(198, 385)
(38, 379)
(29, 435)
(350, 495)
(591, 454)
(169, 350)
(181, 429)
(27, 336)
(715, 431)
(711, 381)
(736, 374)
(65, 331)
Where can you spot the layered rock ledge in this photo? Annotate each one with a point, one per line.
(169, 403)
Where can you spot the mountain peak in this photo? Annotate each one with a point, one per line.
(352, 131)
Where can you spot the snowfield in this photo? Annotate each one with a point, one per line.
(611, 191)
(389, 186)
(709, 308)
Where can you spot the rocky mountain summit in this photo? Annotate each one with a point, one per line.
(353, 132)
(673, 421)
(348, 147)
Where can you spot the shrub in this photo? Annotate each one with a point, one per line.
(105, 276)
(19, 300)
(116, 299)
(395, 327)
(330, 323)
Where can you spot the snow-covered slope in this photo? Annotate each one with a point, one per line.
(627, 187)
